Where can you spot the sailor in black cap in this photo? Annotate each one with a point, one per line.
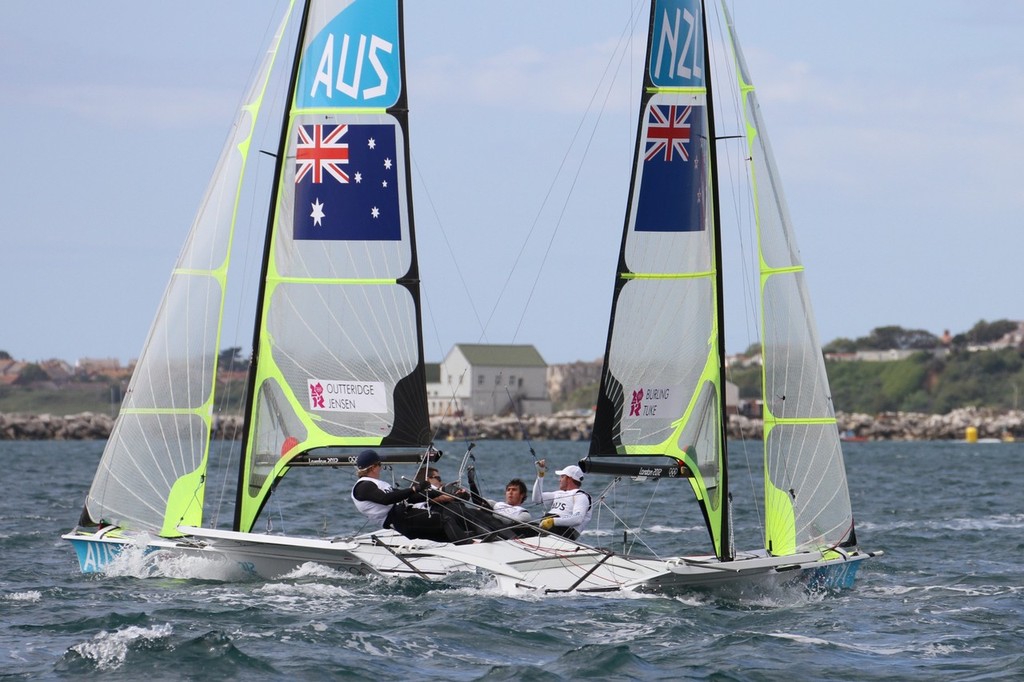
(378, 501)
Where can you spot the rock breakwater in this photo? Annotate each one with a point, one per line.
(573, 426)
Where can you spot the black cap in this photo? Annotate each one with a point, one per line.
(367, 458)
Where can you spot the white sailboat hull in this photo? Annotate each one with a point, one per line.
(546, 564)
(554, 564)
(262, 556)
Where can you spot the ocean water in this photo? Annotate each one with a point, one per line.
(945, 602)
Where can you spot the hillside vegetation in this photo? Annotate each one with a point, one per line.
(961, 371)
(920, 383)
(940, 375)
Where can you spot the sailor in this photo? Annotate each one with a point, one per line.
(396, 509)
(373, 497)
(515, 496)
(570, 505)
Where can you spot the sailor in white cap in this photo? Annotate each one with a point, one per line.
(570, 505)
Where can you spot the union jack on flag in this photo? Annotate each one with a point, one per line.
(347, 182)
(668, 132)
(316, 153)
(671, 176)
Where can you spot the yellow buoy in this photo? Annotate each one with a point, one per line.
(971, 435)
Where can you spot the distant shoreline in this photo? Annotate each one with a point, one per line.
(989, 423)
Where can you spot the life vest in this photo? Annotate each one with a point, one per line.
(373, 510)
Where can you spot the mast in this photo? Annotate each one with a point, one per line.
(265, 266)
(727, 547)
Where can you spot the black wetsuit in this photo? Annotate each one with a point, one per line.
(416, 523)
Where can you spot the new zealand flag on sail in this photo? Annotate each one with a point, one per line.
(672, 182)
(346, 183)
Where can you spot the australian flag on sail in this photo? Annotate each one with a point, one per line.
(672, 182)
(346, 182)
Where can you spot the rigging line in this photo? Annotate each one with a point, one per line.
(522, 427)
(602, 503)
(452, 402)
(451, 253)
(726, 51)
(650, 501)
(626, 32)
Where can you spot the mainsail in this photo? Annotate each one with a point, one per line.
(661, 390)
(337, 348)
(152, 474)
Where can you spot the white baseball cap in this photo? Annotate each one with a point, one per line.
(572, 471)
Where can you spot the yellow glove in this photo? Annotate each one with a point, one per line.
(547, 522)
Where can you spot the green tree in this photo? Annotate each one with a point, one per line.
(987, 332)
(30, 374)
(840, 345)
(231, 360)
(894, 337)
(748, 379)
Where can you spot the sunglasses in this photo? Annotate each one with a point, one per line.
(435, 477)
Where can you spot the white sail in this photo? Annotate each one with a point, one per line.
(338, 348)
(807, 504)
(152, 473)
(662, 389)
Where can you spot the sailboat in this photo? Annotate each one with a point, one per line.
(337, 349)
(662, 391)
(337, 360)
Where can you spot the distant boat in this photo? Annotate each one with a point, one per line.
(850, 436)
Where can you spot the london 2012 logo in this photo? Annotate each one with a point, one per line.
(638, 401)
(316, 395)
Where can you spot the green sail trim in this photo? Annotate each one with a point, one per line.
(185, 503)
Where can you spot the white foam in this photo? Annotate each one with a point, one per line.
(312, 569)
(108, 650)
(818, 641)
(29, 596)
(136, 560)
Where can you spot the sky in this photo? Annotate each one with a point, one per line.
(897, 128)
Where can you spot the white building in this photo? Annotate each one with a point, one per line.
(481, 379)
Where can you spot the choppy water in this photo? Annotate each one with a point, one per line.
(945, 602)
